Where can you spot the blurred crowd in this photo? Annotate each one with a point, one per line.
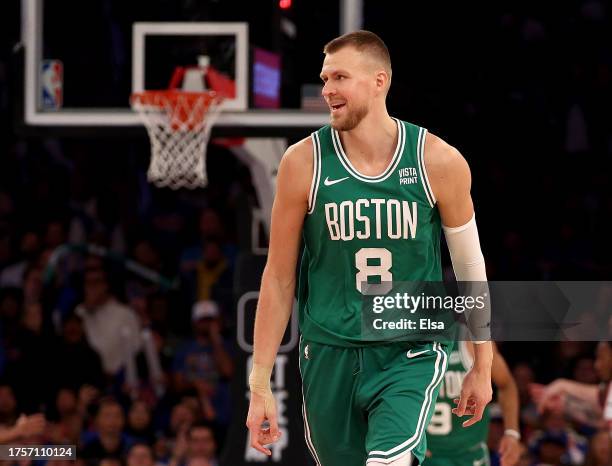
(117, 300)
(560, 426)
(97, 351)
(117, 310)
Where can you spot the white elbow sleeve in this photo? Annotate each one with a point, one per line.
(469, 266)
(466, 256)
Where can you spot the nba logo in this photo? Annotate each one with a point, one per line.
(51, 84)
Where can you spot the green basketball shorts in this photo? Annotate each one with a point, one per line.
(370, 403)
(478, 455)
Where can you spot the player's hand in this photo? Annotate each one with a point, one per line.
(262, 408)
(476, 392)
(509, 451)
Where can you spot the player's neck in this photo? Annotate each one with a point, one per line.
(375, 131)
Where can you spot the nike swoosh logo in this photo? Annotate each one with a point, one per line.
(411, 355)
(328, 182)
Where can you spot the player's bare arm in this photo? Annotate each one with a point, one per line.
(508, 398)
(277, 287)
(450, 179)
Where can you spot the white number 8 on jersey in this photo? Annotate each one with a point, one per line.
(381, 269)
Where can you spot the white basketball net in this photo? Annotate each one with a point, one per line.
(179, 129)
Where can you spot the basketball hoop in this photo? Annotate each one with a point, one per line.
(179, 125)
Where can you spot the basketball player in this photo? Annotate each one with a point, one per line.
(448, 443)
(368, 194)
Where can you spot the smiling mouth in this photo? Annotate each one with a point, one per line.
(336, 107)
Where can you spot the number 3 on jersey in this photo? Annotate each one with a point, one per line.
(374, 262)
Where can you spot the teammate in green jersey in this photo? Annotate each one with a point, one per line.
(451, 444)
(369, 195)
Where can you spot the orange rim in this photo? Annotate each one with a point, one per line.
(188, 108)
(173, 96)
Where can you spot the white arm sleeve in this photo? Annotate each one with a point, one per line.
(469, 266)
(466, 256)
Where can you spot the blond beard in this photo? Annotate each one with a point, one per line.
(352, 119)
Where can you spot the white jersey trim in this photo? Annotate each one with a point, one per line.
(316, 172)
(421, 162)
(440, 369)
(307, 437)
(399, 149)
(406, 457)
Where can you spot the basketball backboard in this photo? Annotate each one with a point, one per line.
(114, 49)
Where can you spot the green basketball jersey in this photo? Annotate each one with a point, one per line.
(362, 231)
(445, 434)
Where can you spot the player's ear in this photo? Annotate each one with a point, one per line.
(383, 80)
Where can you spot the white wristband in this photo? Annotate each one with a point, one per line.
(512, 433)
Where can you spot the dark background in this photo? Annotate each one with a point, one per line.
(521, 88)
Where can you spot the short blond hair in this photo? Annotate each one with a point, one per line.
(363, 41)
